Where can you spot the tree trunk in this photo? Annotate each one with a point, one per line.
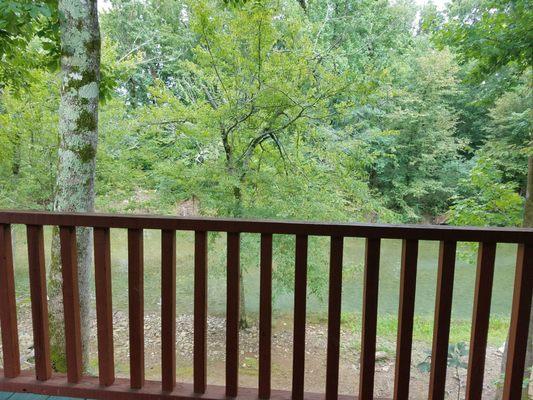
(78, 130)
(243, 321)
(528, 223)
(15, 166)
(237, 213)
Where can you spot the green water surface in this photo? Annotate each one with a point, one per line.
(283, 301)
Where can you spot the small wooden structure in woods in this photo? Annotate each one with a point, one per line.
(105, 386)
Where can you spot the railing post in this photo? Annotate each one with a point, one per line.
(370, 311)
(480, 320)
(168, 310)
(406, 311)
(443, 311)
(300, 304)
(136, 306)
(265, 317)
(71, 302)
(232, 315)
(8, 308)
(104, 307)
(518, 331)
(39, 302)
(334, 316)
(200, 312)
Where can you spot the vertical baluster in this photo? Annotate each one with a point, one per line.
(443, 310)
(300, 300)
(200, 311)
(136, 306)
(71, 302)
(8, 308)
(518, 331)
(480, 320)
(168, 309)
(334, 317)
(406, 312)
(39, 302)
(265, 316)
(370, 312)
(232, 314)
(104, 307)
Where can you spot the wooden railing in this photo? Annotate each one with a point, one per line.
(107, 387)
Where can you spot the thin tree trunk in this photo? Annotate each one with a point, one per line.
(237, 212)
(243, 320)
(78, 130)
(17, 145)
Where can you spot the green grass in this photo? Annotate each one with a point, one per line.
(249, 366)
(423, 328)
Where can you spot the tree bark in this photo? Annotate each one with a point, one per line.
(303, 4)
(243, 320)
(15, 166)
(78, 130)
(236, 211)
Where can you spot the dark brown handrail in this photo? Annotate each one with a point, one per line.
(382, 231)
(107, 387)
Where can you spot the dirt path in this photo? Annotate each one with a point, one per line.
(316, 344)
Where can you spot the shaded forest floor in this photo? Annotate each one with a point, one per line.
(316, 344)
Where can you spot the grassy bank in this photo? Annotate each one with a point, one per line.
(423, 328)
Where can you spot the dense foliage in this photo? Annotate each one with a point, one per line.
(340, 110)
(28, 39)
